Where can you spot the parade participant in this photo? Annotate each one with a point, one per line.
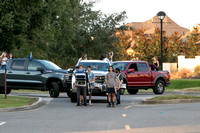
(81, 89)
(119, 81)
(111, 81)
(91, 79)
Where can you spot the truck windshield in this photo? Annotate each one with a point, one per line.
(122, 65)
(49, 65)
(95, 66)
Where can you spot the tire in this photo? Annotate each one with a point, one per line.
(68, 94)
(73, 97)
(132, 91)
(54, 89)
(159, 87)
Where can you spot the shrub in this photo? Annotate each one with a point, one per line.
(197, 70)
(185, 73)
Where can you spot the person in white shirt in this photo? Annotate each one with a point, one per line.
(4, 60)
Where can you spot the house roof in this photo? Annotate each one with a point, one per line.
(168, 25)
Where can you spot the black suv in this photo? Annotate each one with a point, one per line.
(36, 74)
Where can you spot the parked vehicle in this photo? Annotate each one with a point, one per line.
(100, 69)
(36, 74)
(138, 75)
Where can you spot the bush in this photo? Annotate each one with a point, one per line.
(185, 73)
(197, 70)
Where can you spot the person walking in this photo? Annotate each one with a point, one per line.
(91, 79)
(111, 81)
(4, 60)
(119, 81)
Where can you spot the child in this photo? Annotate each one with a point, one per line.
(91, 78)
(111, 80)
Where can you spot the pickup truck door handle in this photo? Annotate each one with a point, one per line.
(28, 73)
(9, 72)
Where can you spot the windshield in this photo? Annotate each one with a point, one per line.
(122, 65)
(95, 66)
(49, 65)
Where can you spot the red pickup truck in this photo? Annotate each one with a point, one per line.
(138, 75)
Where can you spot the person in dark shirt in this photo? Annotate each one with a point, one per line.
(119, 81)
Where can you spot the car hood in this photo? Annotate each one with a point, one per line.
(100, 73)
(60, 71)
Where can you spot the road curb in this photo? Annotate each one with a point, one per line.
(23, 108)
(179, 92)
(146, 101)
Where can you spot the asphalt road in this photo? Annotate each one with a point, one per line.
(60, 116)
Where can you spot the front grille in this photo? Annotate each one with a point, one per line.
(100, 79)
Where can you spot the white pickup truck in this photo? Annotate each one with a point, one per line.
(100, 69)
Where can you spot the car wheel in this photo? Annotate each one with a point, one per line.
(68, 94)
(73, 97)
(159, 87)
(54, 89)
(132, 91)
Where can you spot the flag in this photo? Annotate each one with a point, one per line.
(30, 57)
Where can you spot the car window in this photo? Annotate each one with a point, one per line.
(18, 64)
(133, 66)
(121, 66)
(142, 67)
(33, 66)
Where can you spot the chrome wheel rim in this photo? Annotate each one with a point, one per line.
(160, 87)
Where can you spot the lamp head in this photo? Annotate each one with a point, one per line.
(161, 15)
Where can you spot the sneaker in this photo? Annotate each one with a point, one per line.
(113, 105)
(78, 105)
(109, 105)
(90, 104)
(85, 104)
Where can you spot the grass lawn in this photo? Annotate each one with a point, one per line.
(176, 84)
(25, 90)
(14, 101)
(174, 97)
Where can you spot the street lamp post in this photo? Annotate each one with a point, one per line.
(161, 15)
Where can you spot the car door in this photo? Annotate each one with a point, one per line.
(16, 75)
(143, 74)
(33, 75)
(132, 77)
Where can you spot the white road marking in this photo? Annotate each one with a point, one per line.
(127, 107)
(123, 115)
(1, 123)
(127, 127)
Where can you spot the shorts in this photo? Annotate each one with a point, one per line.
(110, 90)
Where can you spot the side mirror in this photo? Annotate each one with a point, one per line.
(40, 69)
(70, 70)
(131, 70)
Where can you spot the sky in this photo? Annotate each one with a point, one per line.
(185, 13)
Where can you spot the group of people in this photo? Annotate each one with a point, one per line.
(113, 82)
(105, 57)
(4, 59)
